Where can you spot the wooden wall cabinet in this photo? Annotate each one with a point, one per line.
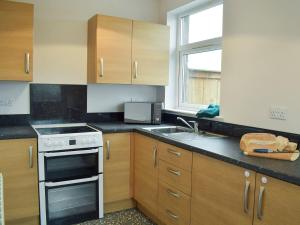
(280, 202)
(18, 165)
(16, 41)
(146, 173)
(150, 53)
(122, 51)
(221, 193)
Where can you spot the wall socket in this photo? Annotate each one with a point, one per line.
(278, 113)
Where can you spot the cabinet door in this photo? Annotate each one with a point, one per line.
(16, 41)
(276, 203)
(150, 53)
(18, 164)
(222, 194)
(116, 167)
(109, 48)
(146, 173)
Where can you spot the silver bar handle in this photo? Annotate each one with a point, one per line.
(246, 196)
(260, 202)
(101, 67)
(172, 215)
(172, 193)
(83, 152)
(61, 183)
(175, 172)
(135, 69)
(178, 154)
(155, 156)
(30, 156)
(27, 62)
(107, 150)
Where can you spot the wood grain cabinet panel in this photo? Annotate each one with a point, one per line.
(117, 160)
(16, 41)
(218, 193)
(146, 173)
(18, 164)
(150, 53)
(280, 202)
(109, 50)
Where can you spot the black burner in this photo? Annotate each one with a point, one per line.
(65, 130)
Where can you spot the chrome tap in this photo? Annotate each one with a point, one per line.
(195, 128)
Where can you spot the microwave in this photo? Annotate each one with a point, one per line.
(142, 112)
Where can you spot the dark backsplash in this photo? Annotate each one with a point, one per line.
(59, 103)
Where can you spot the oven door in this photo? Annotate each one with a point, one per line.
(70, 202)
(68, 165)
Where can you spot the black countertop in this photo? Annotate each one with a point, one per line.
(16, 132)
(225, 149)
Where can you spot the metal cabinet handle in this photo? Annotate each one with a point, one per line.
(27, 62)
(175, 172)
(101, 67)
(260, 202)
(155, 156)
(172, 193)
(172, 215)
(135, 69)
(107, 150)
(246, 196)
(30, 157)
(178, 154)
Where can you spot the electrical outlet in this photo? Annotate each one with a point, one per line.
(278, 113)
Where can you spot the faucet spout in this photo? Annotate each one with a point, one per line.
(185, 122)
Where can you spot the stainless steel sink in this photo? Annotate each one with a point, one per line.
(183, 133)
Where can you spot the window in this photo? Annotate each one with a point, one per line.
(200, 55)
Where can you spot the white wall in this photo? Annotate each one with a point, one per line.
(261, 45)
(60, 42)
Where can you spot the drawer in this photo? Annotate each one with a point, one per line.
(174, 206)
(176, 177)
(176, 156)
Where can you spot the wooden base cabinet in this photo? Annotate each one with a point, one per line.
(16, 41)
(222, 194)
(18, 165)
(276, 202)
(146, 173)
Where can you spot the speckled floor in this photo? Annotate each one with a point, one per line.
(126, 217)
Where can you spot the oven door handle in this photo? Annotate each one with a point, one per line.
(61, 183)
(82, 152)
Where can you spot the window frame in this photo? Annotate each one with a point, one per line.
(191, 48)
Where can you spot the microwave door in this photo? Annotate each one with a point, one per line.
(138, 113)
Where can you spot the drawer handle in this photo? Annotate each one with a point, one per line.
(154, 156)
(175, 172)
(172, 215)
(172, 193)
(246, 196)
(30, 157)
(27, 62)
(107, 150)
(101, 67)
(178, 154)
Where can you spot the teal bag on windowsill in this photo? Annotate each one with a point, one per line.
(211, 112)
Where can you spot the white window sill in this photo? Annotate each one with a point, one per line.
(190, 113)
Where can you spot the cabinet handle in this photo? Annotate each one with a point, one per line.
(175, 172)
(178, 154)
(135, 69)
(246, 196)
(260, 202)
(101, 67)
(172, 193)
(172, 215)
(155, 156)
(30, 157)
(27, 62)
(107, 150)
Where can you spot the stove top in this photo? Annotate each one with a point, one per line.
(65, 130)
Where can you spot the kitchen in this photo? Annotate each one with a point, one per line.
(68, 68)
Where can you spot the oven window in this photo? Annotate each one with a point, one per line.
(70, 167)
(72, 203)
